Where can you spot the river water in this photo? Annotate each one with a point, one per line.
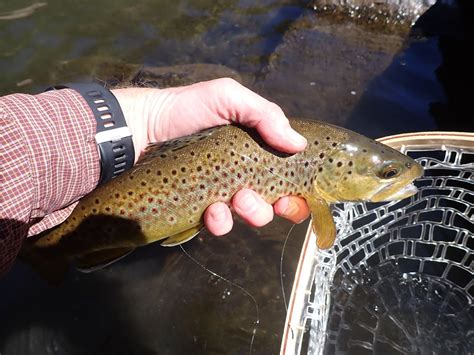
(159, 301)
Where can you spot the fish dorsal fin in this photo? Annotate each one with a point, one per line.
(182, 237)
(101, 259)
(165, 149)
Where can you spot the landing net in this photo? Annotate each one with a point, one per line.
(399, 279)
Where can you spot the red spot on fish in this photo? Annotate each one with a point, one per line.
(150, 199)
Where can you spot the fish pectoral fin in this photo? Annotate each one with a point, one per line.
(323, 223)
(100, 259)
(182, 237)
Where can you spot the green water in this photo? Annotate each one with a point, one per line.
(239, 34)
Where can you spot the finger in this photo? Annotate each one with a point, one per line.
(252, 208)
(250, 109)
(218, 219)
(293, 208)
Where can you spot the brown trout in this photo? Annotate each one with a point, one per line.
(165, 195)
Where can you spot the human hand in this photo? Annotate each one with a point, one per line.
(155, 115)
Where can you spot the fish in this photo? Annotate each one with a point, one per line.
(164, 196)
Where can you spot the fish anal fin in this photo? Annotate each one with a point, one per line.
(100, 259)
(323, 223)
(182, 237)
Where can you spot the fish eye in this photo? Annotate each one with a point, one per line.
(389, 172)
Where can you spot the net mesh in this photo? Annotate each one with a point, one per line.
(400, 277)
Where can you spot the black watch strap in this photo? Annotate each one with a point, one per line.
(113, 136)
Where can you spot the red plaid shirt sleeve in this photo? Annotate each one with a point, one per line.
(48, 161)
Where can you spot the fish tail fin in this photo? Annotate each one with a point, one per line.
(51, 266)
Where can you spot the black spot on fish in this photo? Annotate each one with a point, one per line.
(349, 172)
(316, 142)
(130, 193)
(173, 172)
(117, 195)
(107, 209)
(272, 188)
(339, 164)
(97, 201)
(183, 169)
(199, 168)
(306, 164)
(131, 177)
(94, 210)
(246, 145)
(331, 160)
(165, 180)
(209, 155)
(183, 181)
(143, 183)
(163, 155)
(351, 163)
(305, 183)
(176, 198)
(321, 155)
(320, 169)
(255, 159)
(217, 167)
(364, 150)
(232, 153)
(328, 138)
(202, 186)
(158, 173)
(334, 144)
(148, 171)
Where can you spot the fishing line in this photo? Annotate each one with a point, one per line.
(235, 285)
(281, 267)
(281, 274)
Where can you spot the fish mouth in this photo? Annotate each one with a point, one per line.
(406, 191)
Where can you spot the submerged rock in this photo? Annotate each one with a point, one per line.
(322, 62)
(115, 72)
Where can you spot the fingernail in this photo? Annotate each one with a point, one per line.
(291, 208)
(296, 138)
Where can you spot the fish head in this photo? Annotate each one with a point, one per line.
(361, 169)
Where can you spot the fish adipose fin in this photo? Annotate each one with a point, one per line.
(100, 259)
(323, 223)
(182, 237)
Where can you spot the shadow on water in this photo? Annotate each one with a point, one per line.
(423, 87)
(157, 300)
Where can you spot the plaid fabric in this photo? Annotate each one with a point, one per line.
(48, 160)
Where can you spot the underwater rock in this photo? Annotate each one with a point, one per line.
(321, 62)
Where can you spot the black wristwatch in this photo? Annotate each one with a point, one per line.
(113, 136)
